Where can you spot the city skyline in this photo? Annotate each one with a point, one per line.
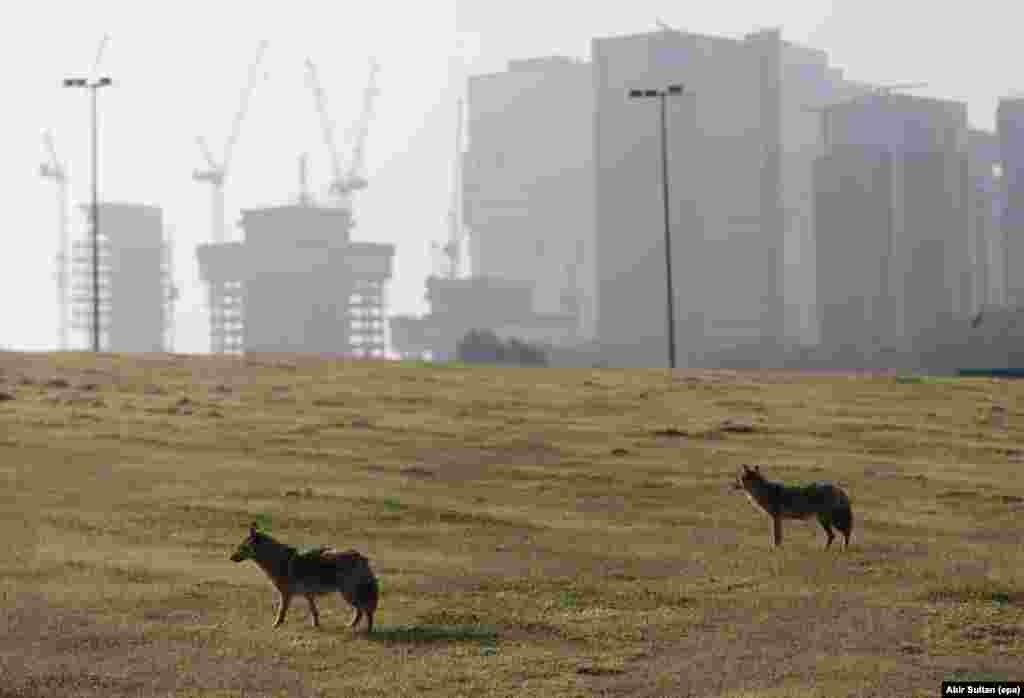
(160, 103)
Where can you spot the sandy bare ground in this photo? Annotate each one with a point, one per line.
(48, 650)
(536, 532)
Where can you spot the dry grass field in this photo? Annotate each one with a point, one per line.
(536, 532)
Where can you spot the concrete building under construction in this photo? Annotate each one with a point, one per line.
(457, 306)
(137, 291)
(894, 222)
(297, 283)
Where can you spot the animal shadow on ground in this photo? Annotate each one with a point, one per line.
(427, 633)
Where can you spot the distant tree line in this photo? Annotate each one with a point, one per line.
(485, 347)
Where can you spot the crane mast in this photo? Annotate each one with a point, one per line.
(343, 183)
(453, 250)
(55, 170)
(327, 127)
(355, 178)
(99, 56)
(304, 198)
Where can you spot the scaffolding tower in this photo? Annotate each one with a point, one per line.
(366, 315)
(227, 311)
(82, 289)
(136, 287)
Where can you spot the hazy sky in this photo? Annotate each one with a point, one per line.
(180, 66)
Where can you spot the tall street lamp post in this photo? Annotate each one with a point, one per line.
(661, 95)
(93, 86)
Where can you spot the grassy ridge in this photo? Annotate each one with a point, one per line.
(536, 532)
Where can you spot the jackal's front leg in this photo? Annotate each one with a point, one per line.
(286, 600)
(777, 530)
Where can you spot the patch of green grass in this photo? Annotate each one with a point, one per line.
(568, 600)
(967, 592)
(392, 505)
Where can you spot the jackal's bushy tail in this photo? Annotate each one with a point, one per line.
(842, 518)
(368, 594)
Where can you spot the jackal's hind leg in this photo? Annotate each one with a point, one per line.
(313, 610)
(826, 523)
(358, 616)
(777, 530)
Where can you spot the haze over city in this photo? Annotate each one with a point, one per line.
(179, 71)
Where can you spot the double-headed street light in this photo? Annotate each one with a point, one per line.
(92, 86)
(661, 95)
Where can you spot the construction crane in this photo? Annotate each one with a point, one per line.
(304, 197)
(171, 291)
(344, 183)
(886, 90)
(870, 91)
(218, 172)
(99, 56)
(54, 170)
(438, 258)
(453, 248)
(356, 177)
(824, 114)
(572, 296)
(327, 126)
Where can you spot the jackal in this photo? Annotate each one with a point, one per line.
(822, 499)
(319, 571)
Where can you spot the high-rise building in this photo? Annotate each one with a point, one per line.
(741, 144)
(1010, 120)
(985, 173)
(528, 182)
(894, 221)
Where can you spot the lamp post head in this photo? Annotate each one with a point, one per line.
(669, 91)
(83, 82)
